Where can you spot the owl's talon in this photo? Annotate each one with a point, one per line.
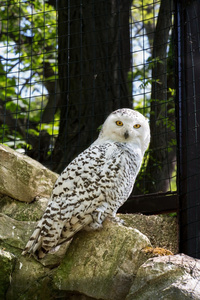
(117, 220)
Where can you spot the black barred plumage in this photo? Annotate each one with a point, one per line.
(96, 183)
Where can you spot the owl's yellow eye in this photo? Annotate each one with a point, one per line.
(137, 126)
(119, 123)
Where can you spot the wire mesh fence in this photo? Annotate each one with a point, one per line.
(28, 50)
(65, 65)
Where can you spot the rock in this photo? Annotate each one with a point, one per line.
(7, 262)
(14, 237)
(168, 277)
(101, 264)
(23, 211)
(98, 264)
(162, 230)
(24, 178)
(14, 233)
(30, 280)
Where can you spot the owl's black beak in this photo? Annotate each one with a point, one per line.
(126, 134)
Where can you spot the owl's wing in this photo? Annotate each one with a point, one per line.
(80, 190)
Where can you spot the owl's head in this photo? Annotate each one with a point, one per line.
(126, 126)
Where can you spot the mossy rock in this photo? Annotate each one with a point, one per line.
(102, 264)
(22, 211)
(7, 262)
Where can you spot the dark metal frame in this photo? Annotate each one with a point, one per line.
(188, 124)
(186, 202)
(151, 204)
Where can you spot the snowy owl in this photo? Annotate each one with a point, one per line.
(96, 183)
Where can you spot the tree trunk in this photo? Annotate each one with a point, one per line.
(93, 58)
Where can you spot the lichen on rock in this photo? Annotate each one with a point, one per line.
(7, 262)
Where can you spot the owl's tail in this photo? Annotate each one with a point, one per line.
(35, 240)
(41, 244)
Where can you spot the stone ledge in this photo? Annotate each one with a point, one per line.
(22, 177)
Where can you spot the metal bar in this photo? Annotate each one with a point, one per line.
(151, 204)
(188, 116)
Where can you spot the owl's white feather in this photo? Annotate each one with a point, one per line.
(96, 183)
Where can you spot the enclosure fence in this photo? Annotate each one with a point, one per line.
(65, 65)
(188, 120)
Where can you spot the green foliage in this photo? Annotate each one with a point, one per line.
(51, 128)
(142, 10)
(28, 45)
